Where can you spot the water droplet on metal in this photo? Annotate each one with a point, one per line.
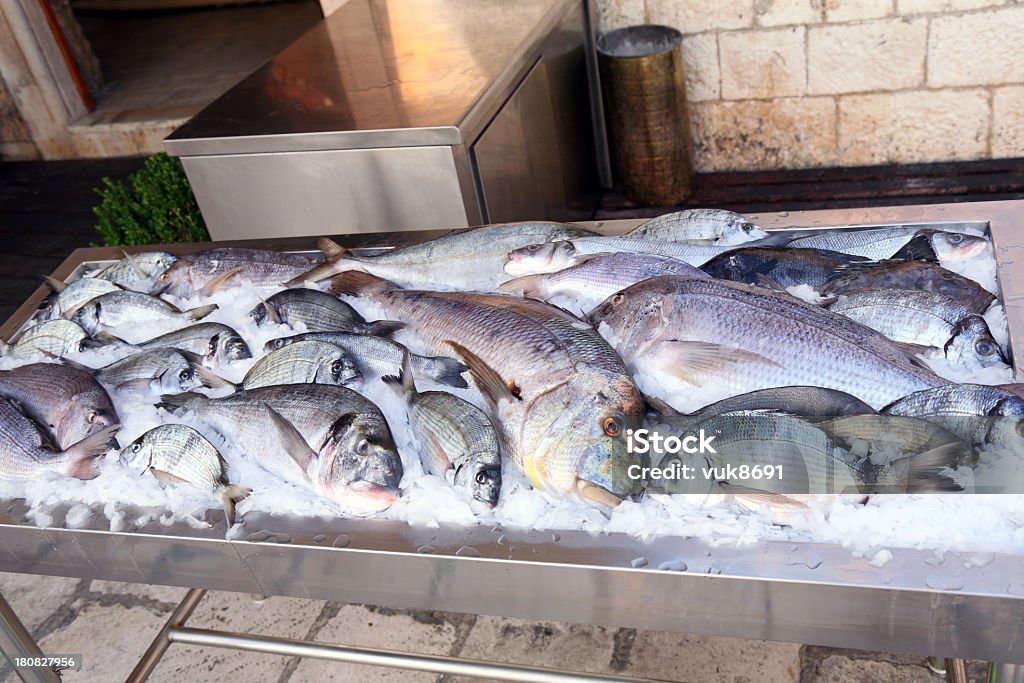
(556, 537)
(466, 551)
(426, 550)
(341, 541)
(503, 539)
(673, 566)
(319, 538)
(979, 560)
(638, 562)
(942, 582)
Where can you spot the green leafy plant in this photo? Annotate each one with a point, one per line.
(155, 205)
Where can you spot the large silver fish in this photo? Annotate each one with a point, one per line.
(376, 356)
(457, 440)
(26, 453)
(560, 395)
(468, 259)
(717, 225)
(138, 272)
(205, 272)
(977, 413)
(778, 266)
(303, 362)
(68, 298)
(925, 277)
(552, 256)
(595, 278)
(216, 343)
(325, 437)
(54, 337)
(158, 371)
(742, 338)
(319, 312)
(925, 319)
(115, 309)
(802, 401)
(68, 402)
(884, 243)
(177, 454)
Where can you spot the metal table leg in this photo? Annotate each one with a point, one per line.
(956, 671)
(16, 641)
(159, 645)
(1005, 673)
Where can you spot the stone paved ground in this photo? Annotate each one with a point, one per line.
(112, 624)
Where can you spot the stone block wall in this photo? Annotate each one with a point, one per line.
(802, 83)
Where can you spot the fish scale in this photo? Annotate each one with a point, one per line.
(301, 363)
(258, 267)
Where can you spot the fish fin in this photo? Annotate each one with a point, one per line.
(759, 497)
(919, 248)
(911, 350)
(214, 285)
(487, 379)
(137, 384)
(334, 256)
(332, 251)
(53, 283)
(200, 312)
(293, 443)
(692, 359)
(762, 280)
(924, 471)
(231, 496)
(356, 283)
(861, 266)
(273, 315)
(403, 383)
(660, 407)
(172, 402)
(82, 456)
(208, 378)
(383, 328)
(527, 285)
(166, 477)
(71, 363)
(139, 273)
(102, 340)
(449, 371)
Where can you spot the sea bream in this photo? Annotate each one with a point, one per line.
(56, 338)
(205, 272)
(177, 454)
(116, 309)
(159, 371)
(138, 272)
(722, 227)
(68, 402)
(312, 362)
(549, 257)
(886, 243)
(976, 412)
(216, 343)
(324, 437)
(925, 277)
(26, 453)
(560, 395)
(68, 298)
(738, 338)
(318, 312)
(461, 260)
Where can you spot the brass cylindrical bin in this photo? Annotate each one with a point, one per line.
(642, 72)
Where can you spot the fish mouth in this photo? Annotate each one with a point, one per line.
(366, 497)
(594, 493)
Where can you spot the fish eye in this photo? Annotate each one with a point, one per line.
(985, 348)
(164, 277)
(136, 447)
(618, 298)
(481, 478)
(363, 447)
(92, 418)
(611, 426)
(956, 238)
(185, 375)
(947, 275)
(533, 247)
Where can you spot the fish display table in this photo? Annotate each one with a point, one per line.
(814, 593)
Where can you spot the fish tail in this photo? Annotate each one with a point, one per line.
(231, 496)
(448, 371)
(358, 283)
(403, 384)
(527, 285)
(210, 379)
(172, 402)
(102, 340)
(336, 260)
(53, 283)
(383, 328)
(928, 470)
(200, 312)
(82, 456)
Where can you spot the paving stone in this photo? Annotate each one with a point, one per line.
(419, 632)
(707, 659)
(283, 617)
(34, 598)
(877, 55)
(841, 669)
(977, 49)
(166, 594)
(760, 64)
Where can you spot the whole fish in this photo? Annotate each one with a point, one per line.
(205, 272)
(976, 413)
(137, 272)
(778, 266)
(560, 395)
(553, 256)
(159, 371)
(718, 225)
(926, 277)
(26, 453)
(216, 343)
(802, 401)
(325, 437)
(925, 319)
(128, 308)
(942, 247)
(468, 259)
(458, 441)
(743, 338)
(303, 362)
(319, 312)
(376, 356)
(68, 402)
(595, 278)
(885, 243)
(68, 298)
(177, 454)
(54, 337)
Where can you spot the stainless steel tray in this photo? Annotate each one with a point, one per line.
(799, 592)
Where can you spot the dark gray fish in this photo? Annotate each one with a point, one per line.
(319, 312)
(926, 277)
(781, 266)
(205, 272)
(68, 402)
(303, 362)
(802, 401)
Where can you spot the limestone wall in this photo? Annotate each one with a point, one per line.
(800, 83)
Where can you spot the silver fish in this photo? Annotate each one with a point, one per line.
(319, 312)
(926, 277)
(458, 441)
(884, 243)
(68, 402)
(743, 338)
(553, 256)
(977, 413)
(717, 225)
(303, 362)
(924, 319)
(595, 278)
(54, 337)
(376, 356)
(158, 371)
(216, 343)
(177, 454)
(25, 453)
(324, 437)
(469, 259)
(559, 394)
(68, 298)
(120, 308)
(205, 272)
(802, 401)
(137, 272)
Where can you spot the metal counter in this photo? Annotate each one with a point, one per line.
(407, 115)
(799, 592)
